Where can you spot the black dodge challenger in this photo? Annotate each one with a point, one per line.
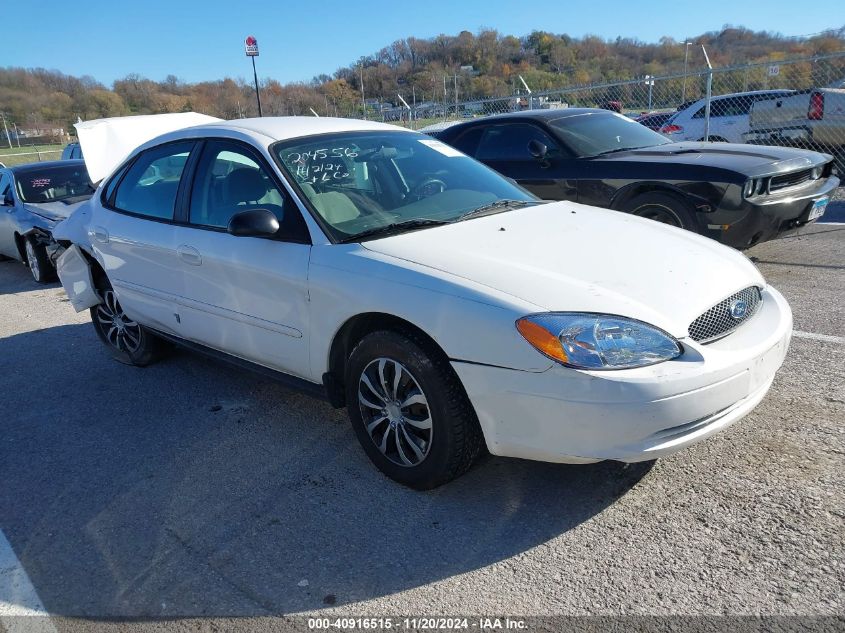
(738, 194)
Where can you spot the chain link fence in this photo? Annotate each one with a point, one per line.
(23, 154)
(799, 103)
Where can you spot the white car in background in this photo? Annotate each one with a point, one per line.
(729, 116)
(445, 307)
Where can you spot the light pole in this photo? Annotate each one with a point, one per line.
(251, 45)
(686, 60)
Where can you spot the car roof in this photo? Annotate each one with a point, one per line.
(31, 167)
(289, 127)
(537, 115)
(750, 93)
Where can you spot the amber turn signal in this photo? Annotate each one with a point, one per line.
(542, 339)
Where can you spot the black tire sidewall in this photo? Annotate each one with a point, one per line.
(437, 385)
(679, 207)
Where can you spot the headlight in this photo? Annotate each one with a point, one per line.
(595, 341)
(816, 173)
(749, 188)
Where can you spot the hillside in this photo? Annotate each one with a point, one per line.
(484, 64)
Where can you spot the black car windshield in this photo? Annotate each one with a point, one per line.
(55, 183)
(359, 182)
(597, 133)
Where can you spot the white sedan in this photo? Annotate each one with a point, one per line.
(448, 309)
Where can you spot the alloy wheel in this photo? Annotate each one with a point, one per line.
(395, 412)
(121, 332)
(32, 260)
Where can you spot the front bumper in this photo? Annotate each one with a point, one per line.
(766, 217)
(568, 416)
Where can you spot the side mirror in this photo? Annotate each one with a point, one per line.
(537, 149)
(253, 223)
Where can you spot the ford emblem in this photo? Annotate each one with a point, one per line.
(738, 309)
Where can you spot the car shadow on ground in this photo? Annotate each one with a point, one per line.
(191, 489)
(15, 277)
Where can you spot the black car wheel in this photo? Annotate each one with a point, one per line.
(409, 410)
(129, 342)
(665, 208)
(38, 262)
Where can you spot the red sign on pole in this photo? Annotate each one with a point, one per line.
(251, 45)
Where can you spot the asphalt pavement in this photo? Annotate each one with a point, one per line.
(190, 489)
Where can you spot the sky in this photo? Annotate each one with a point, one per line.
(204, 40)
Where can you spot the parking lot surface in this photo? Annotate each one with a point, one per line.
(191, 489)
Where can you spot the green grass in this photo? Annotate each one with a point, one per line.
(9, 157)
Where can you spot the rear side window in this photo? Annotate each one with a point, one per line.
(152, 181)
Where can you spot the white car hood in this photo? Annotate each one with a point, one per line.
(570, 257)
(107, 142)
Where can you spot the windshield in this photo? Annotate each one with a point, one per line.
(52, 184)
(359, 182)
(596, 133)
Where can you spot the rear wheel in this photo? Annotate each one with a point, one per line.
(129, 342)
(409, 410)
(665, 208)
(38, 262)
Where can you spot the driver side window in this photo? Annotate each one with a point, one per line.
(510, 142)
(229, 180)
(5, 187)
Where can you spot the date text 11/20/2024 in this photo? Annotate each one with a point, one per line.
(416, 624)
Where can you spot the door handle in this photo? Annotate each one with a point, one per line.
(189, 255)
(100, 234)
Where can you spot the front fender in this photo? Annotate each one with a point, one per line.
(75, 228)
(74, 271)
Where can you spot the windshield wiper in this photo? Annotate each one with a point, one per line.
(494, 207)
(393, 228)
(615, 151)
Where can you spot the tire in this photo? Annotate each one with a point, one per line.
(38, 262)
(430, 441)
(664, 207)
(128, 342)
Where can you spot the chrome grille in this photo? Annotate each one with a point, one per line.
(785, 181)
(718, 321)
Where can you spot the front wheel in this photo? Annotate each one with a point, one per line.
(665, 208)
(38, 262)
(129, 342)
(409, 410)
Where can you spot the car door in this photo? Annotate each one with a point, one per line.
(133, 234)
(504, 147)
(246, 296)
(7, 216)
(729, 118)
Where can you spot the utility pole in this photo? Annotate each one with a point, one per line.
(8, 138)
(363, 101)
(709, 95)
(444, 98)
(686, 60)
